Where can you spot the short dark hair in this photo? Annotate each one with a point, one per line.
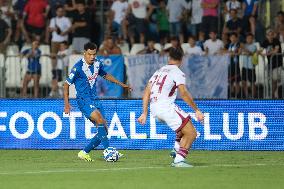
(174, 38)
(90, 45)
(249, 34)
(234, 33)
(59, 7)
(192, 37)
(64, 42)
(280, 13)
(176, 53)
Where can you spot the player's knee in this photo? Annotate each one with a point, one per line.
(194, 134)
(100, 121)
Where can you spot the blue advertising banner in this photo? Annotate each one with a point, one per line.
(228, 125)
(114, 65)
(207, 76)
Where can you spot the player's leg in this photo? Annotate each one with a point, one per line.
(176, 144)
(97, 117)
(188, 136)
(100, 136)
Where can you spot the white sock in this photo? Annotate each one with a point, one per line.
(178, 158)
(176, 146)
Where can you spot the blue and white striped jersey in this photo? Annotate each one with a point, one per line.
(84, 77)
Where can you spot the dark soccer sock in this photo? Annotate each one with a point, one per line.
(95, 141)
(103, 136)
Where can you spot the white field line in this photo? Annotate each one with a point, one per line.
(127, 168)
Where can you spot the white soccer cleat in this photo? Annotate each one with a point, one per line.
(181, 164)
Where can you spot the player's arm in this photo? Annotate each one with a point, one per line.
(69, 81)
(112, 79)
(67, 106)
(186, 96)
(146, 98)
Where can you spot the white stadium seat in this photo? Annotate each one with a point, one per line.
(26, 46)
(13, 72)
(46, 73)
(2, 60)
(12, 50)
(158, 46)
(73, 59)
(124, 48)
(136, 48)
(45, 49)
(167, 45)
(184, 47)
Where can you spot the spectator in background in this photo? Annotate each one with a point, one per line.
(213, 45)
(193, 49)
(210, 16)
(61, 70)
(117, 14)
(279, 24)
(35, 15)
(7, 11)
(53, 6)
(231, 4)
(234, 24)
(234, 68)
(52, 13)
(248, 70)
(19, 6)
(70, 8)
(176, 9)
(60, 26)
(272, 48)
(109, 47)
(225, 39)
(196, 17)
(250, 15)
(140, 16)
(5, 35)
(201, 40)
(174, 42)
(81, 28)
(150, 49)
(163, 22)
(34, 68)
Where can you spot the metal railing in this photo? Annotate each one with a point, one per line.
(267, 81)
(13, 69)
(275, 76)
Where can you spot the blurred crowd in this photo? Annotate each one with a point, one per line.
(208, 26)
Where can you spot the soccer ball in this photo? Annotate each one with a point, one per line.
(111, 154)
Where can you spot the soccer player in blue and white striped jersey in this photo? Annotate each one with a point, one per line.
(84, 76)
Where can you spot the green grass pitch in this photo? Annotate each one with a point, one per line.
(52, 169)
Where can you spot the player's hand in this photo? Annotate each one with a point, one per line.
(67, 108)
(142, 119)
(127, 87)
(199, 115)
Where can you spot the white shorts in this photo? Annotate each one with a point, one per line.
(171, 114)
